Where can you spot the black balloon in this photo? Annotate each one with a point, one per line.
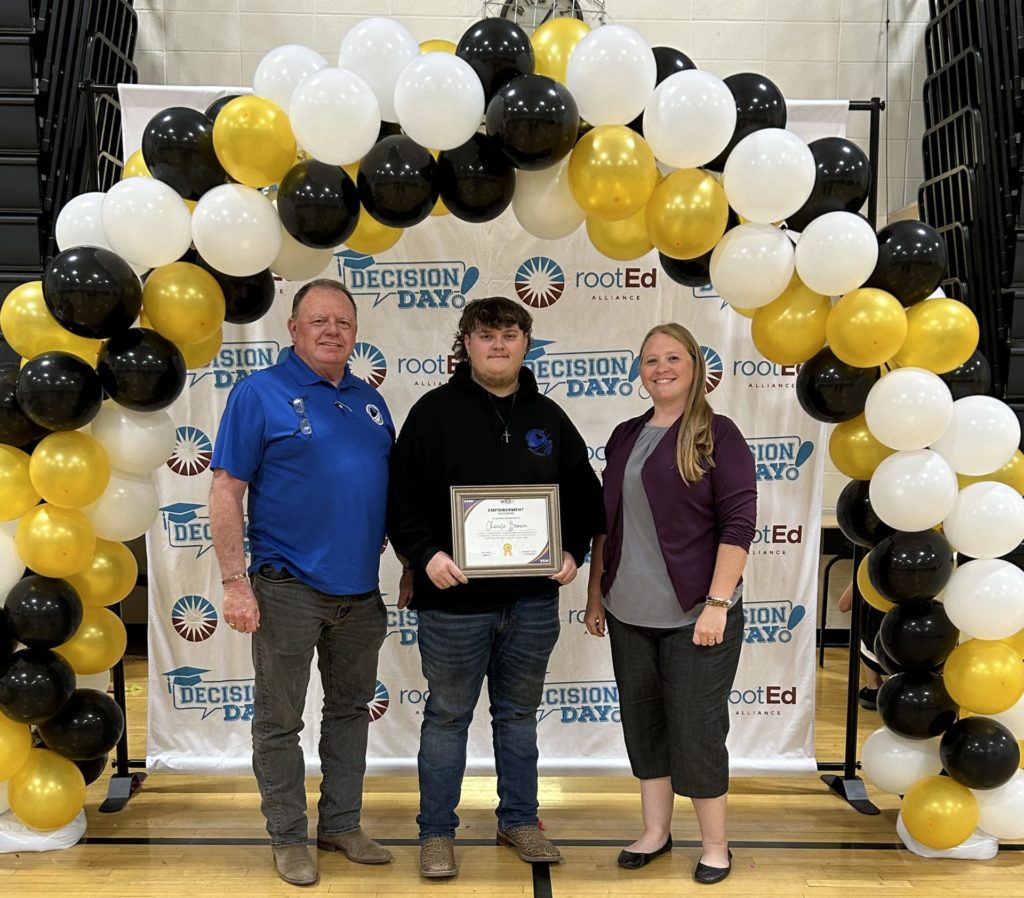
(476, 180)
(918, 635)
(16, 428)
(759, 104)
(398, 182)
(911, 261)
(8, 638)
(388, 129)
(35, 685)
(213, 110)
(45, 611)
(911, 567)
(882, 656)
(979, 753)
(842, 180)
(668, 60)
(498, 51)
(177, 147)
(856, 517)
(915, 704)
(93, 769)
(972, 378)
(246, 299)
(92, 292)
(141, 370)
(534, 120)
(829, 390)
(87, 727)
(318, 204)
(59, 391)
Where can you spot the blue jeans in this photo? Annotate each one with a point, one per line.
(511, 647)
(347, 632)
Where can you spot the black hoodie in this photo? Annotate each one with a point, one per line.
(453, 436)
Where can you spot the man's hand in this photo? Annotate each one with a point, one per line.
(443, 572)
(568, 572)
(240, 609)
(405, 589)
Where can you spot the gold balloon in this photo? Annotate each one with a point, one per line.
(197, 355)
(370, 236)
(17, 495)
(867, 591)
(1016, 642)
(55, 542)
(1012, 474)
(437, 45)
(939, 812)
(135, 167)
(623, 240)
(746, 313)
(48, 791)
(985, 676)
(253, 140)
(108, 577)
(791, 328)
(183, 302)
(70, 469)
(29, 327)
(612, 172)
(854, 451)
(553, 43)
(98, 643)
(687, 213)
(15, 746)
(866, 327)
(942, 334)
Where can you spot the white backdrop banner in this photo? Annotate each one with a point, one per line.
(590, 314)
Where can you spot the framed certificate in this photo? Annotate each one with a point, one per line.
(507, 530)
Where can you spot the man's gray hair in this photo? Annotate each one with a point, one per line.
(322, 284)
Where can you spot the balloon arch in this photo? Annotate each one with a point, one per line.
(579, 126)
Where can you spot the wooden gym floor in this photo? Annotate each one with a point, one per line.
(197, 836)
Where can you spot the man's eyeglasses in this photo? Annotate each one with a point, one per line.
(299, 405)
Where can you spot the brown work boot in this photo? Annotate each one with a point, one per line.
(295, 865)
(355, 845)
(437, 857)
(533, 846)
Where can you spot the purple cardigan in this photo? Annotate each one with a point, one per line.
(692, 521)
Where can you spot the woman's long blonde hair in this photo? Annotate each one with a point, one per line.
(694, 444)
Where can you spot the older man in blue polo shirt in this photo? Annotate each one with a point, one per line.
(310, 442)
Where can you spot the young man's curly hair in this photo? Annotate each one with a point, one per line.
(495, 312)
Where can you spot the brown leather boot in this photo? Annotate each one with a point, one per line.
(533, 846)
(295, 865)
(355, 845)
(437, 857)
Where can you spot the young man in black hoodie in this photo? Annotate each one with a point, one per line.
(487, 425)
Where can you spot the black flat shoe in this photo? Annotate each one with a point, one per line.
(634, 860)
(868, 698)
(708, 876)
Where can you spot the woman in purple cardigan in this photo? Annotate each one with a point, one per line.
(680, 500)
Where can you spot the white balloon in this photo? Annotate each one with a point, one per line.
(11, 565)
(769, 175)
(1002, 808)
(126, 509)
(751, 265)
(836, 253)
(146, 222)
(985, 598)
(236, 229)
(908, 408)
(439, 101)
(282, 70)
(690, 119)
(894, 763)
(137, 442)
(79, 224)
(987, 520)
(1012, 718)
(611, 74)
(335, 116)
(297, 262)
(377, 49)
(543, 203)
(982, 436)
(913, 490)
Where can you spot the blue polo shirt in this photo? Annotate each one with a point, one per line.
(315, 457)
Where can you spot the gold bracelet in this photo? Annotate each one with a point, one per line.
(717, 602)
(231, 579)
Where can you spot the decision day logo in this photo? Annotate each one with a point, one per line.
(437, 284)
(610, 372)
(367, 363)
(194, 618)
(765, 623)
(236, 361)
(582, 701)
(779, 458)
(193, 451)
(186, 528)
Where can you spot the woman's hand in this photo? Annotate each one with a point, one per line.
(710, 626)
(594, 616)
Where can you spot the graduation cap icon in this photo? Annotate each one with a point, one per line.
(181, 512)
(185, 676)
